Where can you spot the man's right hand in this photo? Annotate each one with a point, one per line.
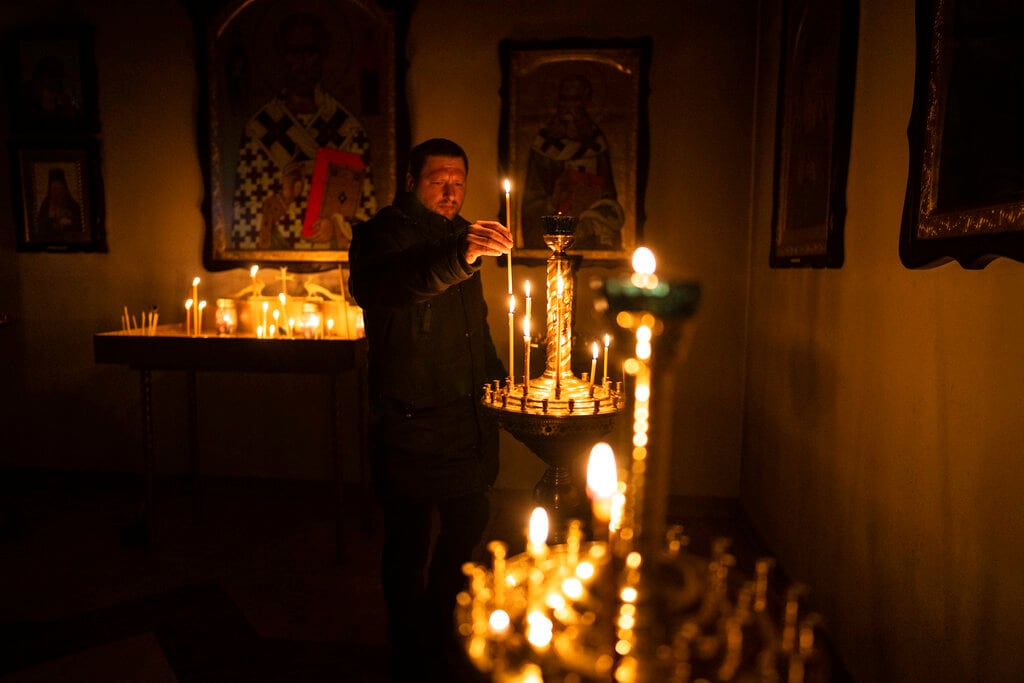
(487, 238)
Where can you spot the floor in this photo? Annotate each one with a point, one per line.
(252, 592)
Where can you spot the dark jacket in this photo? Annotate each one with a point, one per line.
(430, 352)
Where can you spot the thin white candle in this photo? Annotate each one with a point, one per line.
(593, 365)
(538, 534)
(252, 274)
(526, 355)
(529, 300)
(195, 298)
(508, 224)
(266, 306)
(199, 317)
(188, 317)
(602, 480)
(511, 340)
(607, 341)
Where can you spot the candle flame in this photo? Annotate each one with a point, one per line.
(595, 350)
(195, 281)
(607, 340)
(202, 304)
(643, 261)
(508, 186)
(282, 298)
(188, 304)
(253, 271)
(526, 286)
(602, 477)
(538, 526)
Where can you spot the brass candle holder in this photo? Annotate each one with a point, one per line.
(557, 415)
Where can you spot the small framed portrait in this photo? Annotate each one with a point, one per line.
(59, 200)
(298, 128)
(964, 200)
(813, 127)
(573, 140)
(52, 76)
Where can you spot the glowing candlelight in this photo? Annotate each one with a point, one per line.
(607, 342)
(199, 317)
(526, 355)
(252, 274)
(643, 269)
(498, 550)
(511, 340)
(508, 221)
(274, 326)
(188, 317)
(602, 480)
(291, 327)
(593, 365)
(538, 534)
(266, 306)
(330, 327)
(195, 298)
(283, 300)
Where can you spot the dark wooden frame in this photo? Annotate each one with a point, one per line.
(813, 126)
(965, 186)
(78, 164)
(618, 71)
(246, 23)
(64, 54)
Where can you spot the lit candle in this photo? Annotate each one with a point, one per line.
(188, 317)
(511, 340)
(277, 315)
(266, 306)
(538, 534)
(291, 327)
(529, 300)
(508, 222)
(252, 274)
(330, 327)
(195, 298)
(602, 481)
(526, 355)
(593, 365)
(283, 299)
(607, 341)
(199, 317)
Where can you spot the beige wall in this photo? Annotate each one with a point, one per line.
(68, 412)
(883, 431)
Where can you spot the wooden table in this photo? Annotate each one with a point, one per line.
(170, 349)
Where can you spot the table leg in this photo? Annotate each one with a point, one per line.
(139, 532)
(339, 474)
(193, 445)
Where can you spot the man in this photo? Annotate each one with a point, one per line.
(301, 130)
(415, 272)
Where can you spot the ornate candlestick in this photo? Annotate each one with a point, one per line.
(557, 415)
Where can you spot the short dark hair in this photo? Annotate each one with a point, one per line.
(434, 147)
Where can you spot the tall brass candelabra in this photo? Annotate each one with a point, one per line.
(557, 415)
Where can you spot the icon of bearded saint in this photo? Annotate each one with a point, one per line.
(569, 171)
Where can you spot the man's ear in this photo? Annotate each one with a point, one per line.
(410, 182)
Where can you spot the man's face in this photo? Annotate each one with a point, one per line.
(441, 186)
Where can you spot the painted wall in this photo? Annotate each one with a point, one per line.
(64, 411)
(882, 430)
